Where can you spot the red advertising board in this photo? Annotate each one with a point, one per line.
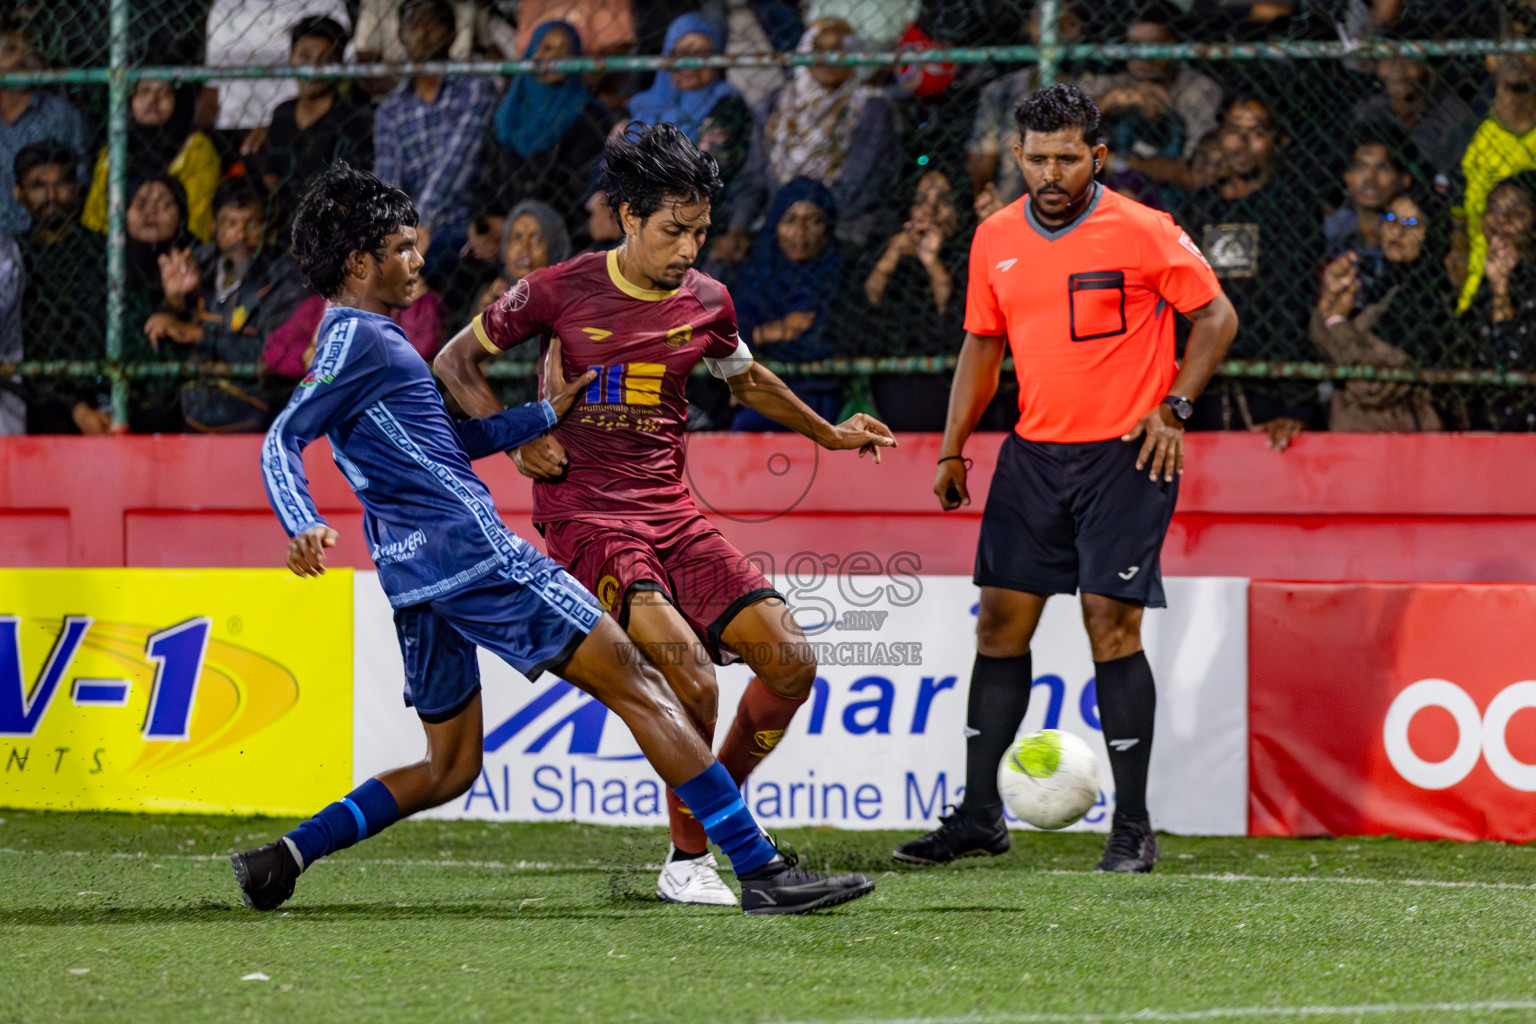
(1401, 709)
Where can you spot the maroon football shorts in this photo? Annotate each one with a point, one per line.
(684, 558)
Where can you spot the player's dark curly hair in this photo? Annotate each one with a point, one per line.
(646, 166)
(345, 211)
(1057, 107)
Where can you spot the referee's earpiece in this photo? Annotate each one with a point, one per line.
(1095, 165)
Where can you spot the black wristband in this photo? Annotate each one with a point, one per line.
(945, 458)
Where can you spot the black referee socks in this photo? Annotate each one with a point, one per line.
(998, 699)
(1127, 706)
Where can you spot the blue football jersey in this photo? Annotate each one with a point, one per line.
(430, 523)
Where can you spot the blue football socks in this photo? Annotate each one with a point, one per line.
(368, 809)
(716, 802)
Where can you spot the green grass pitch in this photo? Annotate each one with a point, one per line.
(120, 918)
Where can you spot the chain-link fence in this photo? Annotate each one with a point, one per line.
(1362, 175)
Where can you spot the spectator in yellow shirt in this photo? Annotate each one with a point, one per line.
(1504, 144)
(161, 141)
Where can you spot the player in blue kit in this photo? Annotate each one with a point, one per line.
(455, 575)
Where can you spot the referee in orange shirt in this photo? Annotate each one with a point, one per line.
(1081, 284)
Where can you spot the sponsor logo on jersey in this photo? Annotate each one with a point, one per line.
(400, 550)
(1189, 243)
(1006, 265)
(627, 384)
(597, 333)
(516, 297)
(767, 739)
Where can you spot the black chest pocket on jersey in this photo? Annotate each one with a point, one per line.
(1097, 304)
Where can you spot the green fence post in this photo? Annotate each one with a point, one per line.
(1050, 60)
(117, 159)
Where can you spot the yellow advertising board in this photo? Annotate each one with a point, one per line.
(208, 690)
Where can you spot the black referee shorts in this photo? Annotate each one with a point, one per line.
(1067, 517)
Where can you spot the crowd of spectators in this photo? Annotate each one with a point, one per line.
(1378, 212)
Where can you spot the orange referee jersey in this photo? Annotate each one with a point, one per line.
(1088, 311)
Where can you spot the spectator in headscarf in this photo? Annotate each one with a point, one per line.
(1392, 314)
(534, 238)
(915, 295)
(921, 245)
(547, 133)
(161, 141)
(785, 292)
(1501, 317)
(703, 104)
(826, 126)
(156, 222)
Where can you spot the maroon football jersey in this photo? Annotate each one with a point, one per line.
(624, 437)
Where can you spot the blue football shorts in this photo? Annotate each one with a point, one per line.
(531, 625)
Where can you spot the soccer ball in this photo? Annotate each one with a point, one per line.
(1049, 778)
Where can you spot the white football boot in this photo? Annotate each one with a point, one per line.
(693, 881)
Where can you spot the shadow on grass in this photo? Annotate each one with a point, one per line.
(632, 906)
(211, 911)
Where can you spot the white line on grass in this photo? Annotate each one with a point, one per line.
(1228, 876)
(532, 865)
(1216, 1013)
(388, 862)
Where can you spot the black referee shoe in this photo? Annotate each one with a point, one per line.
(958, 835)
(266, 876)
(1132, 848)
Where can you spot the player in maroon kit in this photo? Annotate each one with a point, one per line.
(608, 491)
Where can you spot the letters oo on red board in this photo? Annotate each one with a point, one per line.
(1392, 709)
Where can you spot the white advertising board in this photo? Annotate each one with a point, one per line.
(879, 744)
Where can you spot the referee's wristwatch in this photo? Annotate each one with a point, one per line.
(1182, 407)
